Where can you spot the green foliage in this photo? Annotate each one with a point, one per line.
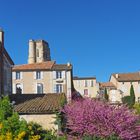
(106, 96)
(14, 125)
(137, 108)
(6, 109)
(63, 100)
(14, 128)
(60, 119)
(129, 100)
(126, 100)
(132, 95)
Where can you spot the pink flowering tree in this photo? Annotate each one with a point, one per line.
(88, 117)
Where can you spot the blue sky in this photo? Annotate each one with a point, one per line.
(98, 37)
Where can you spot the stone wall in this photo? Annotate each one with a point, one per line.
(45, 120)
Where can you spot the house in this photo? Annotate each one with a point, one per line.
(123, 82)
(86, 86)
(6, 64)
(114, 95)
(39, 108)
(41, 75)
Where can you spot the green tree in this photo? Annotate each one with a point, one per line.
(132, 95)
(106, 95)
(6, 109)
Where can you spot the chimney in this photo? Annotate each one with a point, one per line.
(68, 64)
(117, 75)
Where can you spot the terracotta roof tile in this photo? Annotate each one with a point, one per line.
(35, 66)
(127, 77)
(37, 103)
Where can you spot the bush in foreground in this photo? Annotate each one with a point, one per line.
(92, 118)
(14, 128)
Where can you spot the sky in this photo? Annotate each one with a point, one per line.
(99, 37)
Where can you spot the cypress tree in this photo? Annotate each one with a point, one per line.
(106, 95)
(132, 96)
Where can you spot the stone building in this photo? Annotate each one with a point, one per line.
(6, 64)
(86, 86)
(114, 95)
(39, 108)
(41, 75)
(123, 82)
(39, 51)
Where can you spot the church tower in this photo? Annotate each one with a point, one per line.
(39, 51)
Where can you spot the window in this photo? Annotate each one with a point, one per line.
(58, 88)
(123, 83)
(18, 89)
(58, 74)
(92, 84)
(38, 75)
(85, 92)
(18, 75)
(139, 82)
(37, 52)
(86, 84)
(39, 88)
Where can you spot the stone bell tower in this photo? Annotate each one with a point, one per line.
(39, 51)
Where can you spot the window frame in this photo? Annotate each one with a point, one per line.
(38, 74)
(38, 85)
(86, 92)
(58, 74)
(92, 83)
(59, 88)
(18, 75)
(86, 83)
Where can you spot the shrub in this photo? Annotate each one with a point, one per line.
(94, 118)
(6, 109)
(126, 100)
(137, 108)
(106, 96)
(14, 128)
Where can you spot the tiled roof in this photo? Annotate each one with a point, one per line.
(61, 67)
(37, 103)
(35, 66)
(107, 85)
(127, 77)
(83, 78)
